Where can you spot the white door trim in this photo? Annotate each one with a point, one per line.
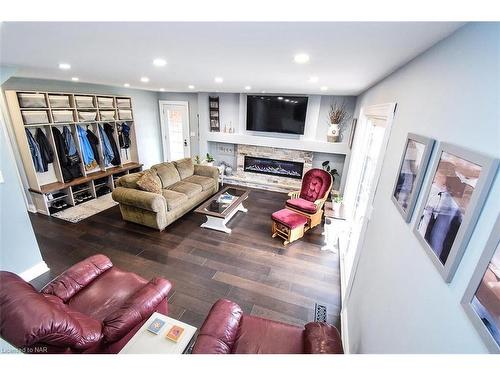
(163, 125)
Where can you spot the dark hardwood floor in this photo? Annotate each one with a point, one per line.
(246, 266)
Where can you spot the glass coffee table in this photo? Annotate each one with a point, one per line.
(222, 207)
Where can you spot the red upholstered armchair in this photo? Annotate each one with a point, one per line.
(309, 201)
(228, 331)
(93, 307)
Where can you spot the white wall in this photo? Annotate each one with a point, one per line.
(399, 302)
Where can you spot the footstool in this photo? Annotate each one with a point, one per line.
(288, 225)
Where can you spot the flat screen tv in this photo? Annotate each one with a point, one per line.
(278, 114)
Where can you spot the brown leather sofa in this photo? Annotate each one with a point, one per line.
(184, 186)
(92, 307)
(228, 331)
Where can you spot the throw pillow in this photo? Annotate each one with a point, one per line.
(149, 182)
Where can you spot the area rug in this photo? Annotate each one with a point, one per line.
(86, 209)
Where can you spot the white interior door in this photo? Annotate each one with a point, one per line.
(364, 172)
(175, 130)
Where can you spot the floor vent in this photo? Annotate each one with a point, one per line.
(319, 313)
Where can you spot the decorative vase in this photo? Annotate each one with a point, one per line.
(229, 171)
(333, 133)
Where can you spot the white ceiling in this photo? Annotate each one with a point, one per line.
(347, 57)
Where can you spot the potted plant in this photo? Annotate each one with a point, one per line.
(326, 167)
(337, 116)
(209, 160)
(197, 159)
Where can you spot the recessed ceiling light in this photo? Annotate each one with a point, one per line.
(219, 79)
(323, 88)
(162, 89)
(159, 62)
(287, 100)
(191, 87)
(145, 79)
(280, 98)
(248, 88)
(64, 66)
(75, 79)
(126, 84)
(301, 58)
(313, 79)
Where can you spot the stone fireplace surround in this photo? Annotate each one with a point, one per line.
(265, 181)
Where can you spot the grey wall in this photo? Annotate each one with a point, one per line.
(399, 302)
(145, 105)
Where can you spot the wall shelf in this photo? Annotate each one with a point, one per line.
(288, 143)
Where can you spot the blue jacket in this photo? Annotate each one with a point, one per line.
(87, 152)
(36, 155)
(106, 147)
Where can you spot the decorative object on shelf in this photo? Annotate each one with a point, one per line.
(337, 116)
(213, 104)
(460, 181)
(481, 300)
(228, 171)
(353, 132)
(197, 159)
(411, 172)
(209, 160)
(333, 172)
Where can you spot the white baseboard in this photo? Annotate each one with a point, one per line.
(32, 208)
(34, 272)
(344, 331)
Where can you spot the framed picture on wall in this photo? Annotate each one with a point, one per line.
(414, 160)
(460, 181)
(481, 300)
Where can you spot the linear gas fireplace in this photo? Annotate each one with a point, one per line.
(273, 167)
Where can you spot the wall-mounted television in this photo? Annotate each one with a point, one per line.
(278, 114)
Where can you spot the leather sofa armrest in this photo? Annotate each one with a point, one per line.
(218, 332)
(322, 338)
(138, 198)
(78, 277)
(137, 308)
(206, 171)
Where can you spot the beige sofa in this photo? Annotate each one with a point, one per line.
(184, 186)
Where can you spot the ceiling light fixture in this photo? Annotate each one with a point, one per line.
(313, 79)
(287, 100)
(301, 58)
(145, 79)
(218, 79)
(191, 87)
(76, 79)
(248, 88)
(323, 88)
(159, 62)
(280, 98)
(162, 89)
(126, 84)
(64, 66)
(263, 92)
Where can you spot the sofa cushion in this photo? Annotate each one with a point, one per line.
(168, 174)
(174, 199)
(206, 183)
(185, 167)
(187, 188)
(263, 336)
(302, 205)
(150, 181)
(129, 180)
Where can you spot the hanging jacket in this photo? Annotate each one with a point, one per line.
(70, 169)
(35, 152)
(87, 152)
(108, 128)
(94, 143)
(45, 149)
(106, 147)
(124, 135)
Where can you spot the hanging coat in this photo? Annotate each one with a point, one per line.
(87, 152)
(35, 152)
(124, 135)
(108, 128)
(106, 147)
(70, 169)
(94, 143)
(45, 149)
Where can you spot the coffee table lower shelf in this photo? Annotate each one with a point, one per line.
(219, 223)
